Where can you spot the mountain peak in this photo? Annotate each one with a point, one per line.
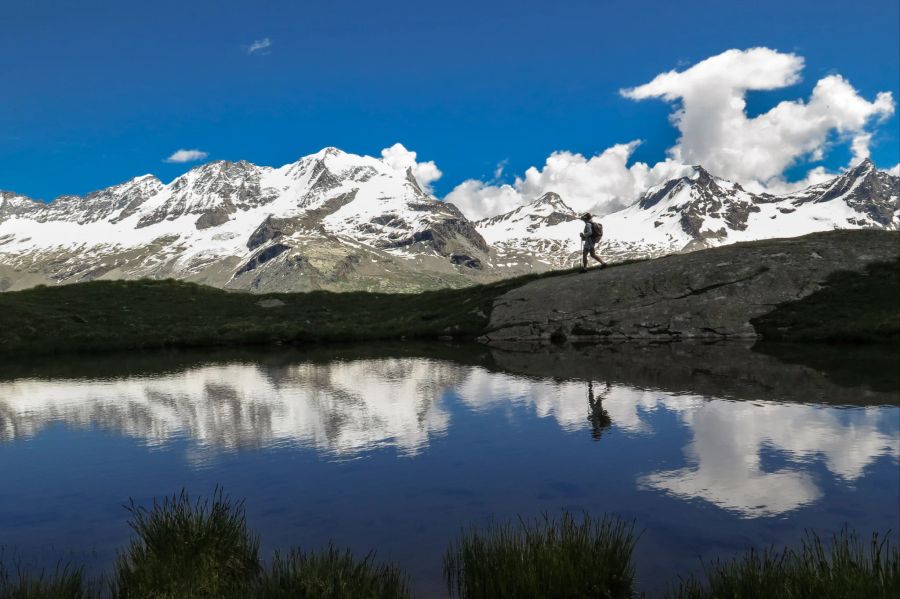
(329, 151)
(863, 168)
(552, 200)
(701, 176)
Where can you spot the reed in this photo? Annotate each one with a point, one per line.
(65, 582)
(332, 573)
(188, 549)
(846, 568)
(549, 557)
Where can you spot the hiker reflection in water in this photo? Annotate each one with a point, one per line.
(598, 417)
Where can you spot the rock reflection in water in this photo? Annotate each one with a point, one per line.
(722, 396)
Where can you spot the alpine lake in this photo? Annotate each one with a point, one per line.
(709, 448)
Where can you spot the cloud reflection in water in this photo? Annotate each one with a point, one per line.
(346, 408)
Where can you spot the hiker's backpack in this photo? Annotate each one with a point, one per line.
(596, 231)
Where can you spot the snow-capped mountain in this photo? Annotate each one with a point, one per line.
(542, 233)
(339, 221)
(700, 210)
(330, 220)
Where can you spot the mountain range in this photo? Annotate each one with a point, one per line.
(339, 221)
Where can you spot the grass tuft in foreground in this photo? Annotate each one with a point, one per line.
(64, 583)
(332, 573)
(188, 549)
(847, 568)
(545, 558)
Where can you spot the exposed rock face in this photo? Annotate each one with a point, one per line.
(867, 190)
(711, 294)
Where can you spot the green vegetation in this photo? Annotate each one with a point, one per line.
(847, 569)
(852, 307)
(546, 558)
(332, 573)
(185, 549)
(143, 314)
(123, 315)
(65, 583)
(200, 549)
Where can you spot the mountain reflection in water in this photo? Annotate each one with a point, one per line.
(393, 448)
(735, 405)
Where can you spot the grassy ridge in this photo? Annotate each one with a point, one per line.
(851, 307)
(143, 314)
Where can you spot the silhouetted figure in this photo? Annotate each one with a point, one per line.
(598, 417)
(590, 238)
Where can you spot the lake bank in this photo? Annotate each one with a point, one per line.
(837, 286)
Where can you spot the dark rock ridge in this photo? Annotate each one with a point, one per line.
(711, 294)
(867, 190)
(716, 369)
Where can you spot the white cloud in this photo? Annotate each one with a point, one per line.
(599, 184)
(477, 199)
(501, 166)
(401, 159)
(716, 132)
(896, 170)
(187, 156)
(260, 46)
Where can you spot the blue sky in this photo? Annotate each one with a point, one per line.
(95, 93)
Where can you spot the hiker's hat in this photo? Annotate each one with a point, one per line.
(586, 216)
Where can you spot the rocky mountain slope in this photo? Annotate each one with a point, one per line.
(711, 294)
(338, 221)
(330, 220)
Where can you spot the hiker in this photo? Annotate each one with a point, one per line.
(598, 417)
(590, 237)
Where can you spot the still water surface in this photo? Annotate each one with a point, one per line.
(709, 448)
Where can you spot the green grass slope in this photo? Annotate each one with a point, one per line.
(852, 307)
(143, 314)
(123, 315)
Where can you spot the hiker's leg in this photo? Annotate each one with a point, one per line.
(584, 256)
(598, 259)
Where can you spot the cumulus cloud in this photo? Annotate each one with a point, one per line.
(717, 133)
(260, 46)
(709, 101)
(896, 170)
(187, 156)
(601, 184)
(477, 199)
(401, 159)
